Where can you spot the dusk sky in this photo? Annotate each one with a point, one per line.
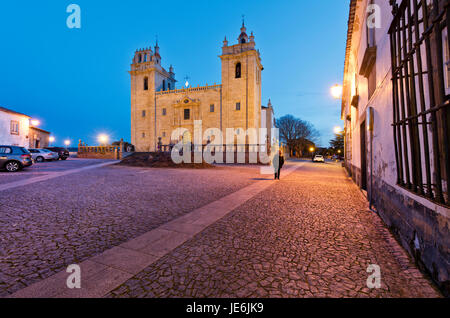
(75, 81)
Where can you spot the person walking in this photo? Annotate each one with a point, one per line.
(278, 163)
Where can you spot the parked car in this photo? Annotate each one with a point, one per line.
(14, 158)
(63, 153)
(40, 155)
(318, 158)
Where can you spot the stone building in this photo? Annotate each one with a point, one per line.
(39, 138)
(158, 107)
(14, 128)
(395, 108)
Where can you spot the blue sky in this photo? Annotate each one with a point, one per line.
(75, 81)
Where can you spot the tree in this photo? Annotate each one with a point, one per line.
(296, 133)
(337, 144)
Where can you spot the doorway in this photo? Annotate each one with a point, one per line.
(363, 156)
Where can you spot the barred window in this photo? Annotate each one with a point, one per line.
(211, 108)
(238, 106)
(164, 112)
(146, 83)
(420, 99)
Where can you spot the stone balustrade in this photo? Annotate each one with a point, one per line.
(189, 89)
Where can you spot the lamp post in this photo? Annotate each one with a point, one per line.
(67, 142)
(50, 140)
(311, 150)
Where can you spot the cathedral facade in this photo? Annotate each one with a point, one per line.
(158, 108)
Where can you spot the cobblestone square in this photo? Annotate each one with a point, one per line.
(310, 234)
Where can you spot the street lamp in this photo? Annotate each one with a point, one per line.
(337, 130)
(67, 142)
(51, 139)
(35, 122)
(311, 150)
(103, 139)
(336, 91)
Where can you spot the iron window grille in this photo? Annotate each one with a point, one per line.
(421, 112)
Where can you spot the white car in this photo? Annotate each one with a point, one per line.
(318, 158)
(40, 155)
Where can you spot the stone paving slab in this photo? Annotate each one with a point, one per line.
(124, 259)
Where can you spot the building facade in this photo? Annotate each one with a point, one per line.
(39, 138)
(395, 107)
(14, 128)
(158, 108)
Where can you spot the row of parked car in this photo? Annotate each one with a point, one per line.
(15, 158)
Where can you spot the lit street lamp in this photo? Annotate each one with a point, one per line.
(103, 139)
(67, 142)
(51, 139)
(311, 150)
(337, 130)
(35, 122)
(336, 91)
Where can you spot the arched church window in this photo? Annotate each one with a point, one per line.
(243, 40)
(238, 70)
(164, 85)
(146, 83)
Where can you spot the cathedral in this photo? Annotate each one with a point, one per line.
(158, 107)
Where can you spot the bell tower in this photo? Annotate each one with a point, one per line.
(147, 78)
(241, 82)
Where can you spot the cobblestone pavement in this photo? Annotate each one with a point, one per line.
(309, 235)
(45, 226)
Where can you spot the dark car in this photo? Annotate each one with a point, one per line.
(14, 158)
(62, 152)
